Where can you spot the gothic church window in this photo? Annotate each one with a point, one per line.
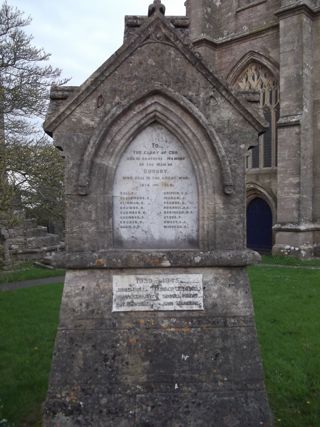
(258, 80)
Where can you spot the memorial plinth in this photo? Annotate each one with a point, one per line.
(156, 324)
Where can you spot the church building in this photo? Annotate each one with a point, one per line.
(268, 51)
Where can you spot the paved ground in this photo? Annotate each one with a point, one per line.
(30, 283)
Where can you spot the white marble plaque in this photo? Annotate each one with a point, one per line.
(179, 292)
(155, 195)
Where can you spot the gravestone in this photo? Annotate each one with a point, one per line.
(156, 324)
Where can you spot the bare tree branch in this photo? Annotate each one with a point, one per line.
(30, 168)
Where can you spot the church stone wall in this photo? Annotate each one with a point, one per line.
(284, 37)
(222, 19)
(316, 118)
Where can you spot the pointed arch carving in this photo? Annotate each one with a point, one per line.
(189, 126)
(176, 113)
(258, 75)
(249, 58)
(254, 190)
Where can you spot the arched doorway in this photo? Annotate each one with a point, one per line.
(259, 225)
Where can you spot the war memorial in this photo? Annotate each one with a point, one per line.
(157, 324)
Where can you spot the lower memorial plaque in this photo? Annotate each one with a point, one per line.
(158, 292)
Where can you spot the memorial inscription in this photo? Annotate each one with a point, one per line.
(155, 195)
(157, 292)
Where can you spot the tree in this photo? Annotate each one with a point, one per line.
(25, 79)
(37, 179)
(24, 75)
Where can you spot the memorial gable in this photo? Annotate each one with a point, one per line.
(95, 122)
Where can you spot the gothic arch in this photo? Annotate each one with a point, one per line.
(174, 112)
(249, 58)
(257, 78)
(188, 125)
(261, 216)
(256, 191)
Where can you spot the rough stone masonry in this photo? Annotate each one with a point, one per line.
(156, 324)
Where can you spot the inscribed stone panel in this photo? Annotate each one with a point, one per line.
(158, 292)
(155, 195)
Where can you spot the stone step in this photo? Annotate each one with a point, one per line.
(36, 231)
(26, 231)
(36, 254)
(43, 241)
(17, 243)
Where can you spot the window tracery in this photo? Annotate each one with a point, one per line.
(256, 78)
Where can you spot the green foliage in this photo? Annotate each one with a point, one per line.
(37, 177)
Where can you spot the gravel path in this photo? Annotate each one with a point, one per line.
(30, 283)
(304, 267)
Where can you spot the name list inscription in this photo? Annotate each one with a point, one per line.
(178, 292)
(155, 196)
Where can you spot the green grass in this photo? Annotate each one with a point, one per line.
(28, 272)
(28, 319)
(288, 321)
(290, 261)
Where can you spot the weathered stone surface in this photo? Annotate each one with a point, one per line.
(150, 259)
(160, 367)
(26, 241)
(155, 194)
(283, 37)
(179, 292)
(155, 110)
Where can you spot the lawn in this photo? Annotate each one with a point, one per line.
(288, 321)
(28, 272)
(290, 261)
(28, 319)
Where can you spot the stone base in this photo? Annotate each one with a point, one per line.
(300, 252)
(300, 243)
(174, 368)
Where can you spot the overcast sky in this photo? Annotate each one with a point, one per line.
(82, 34)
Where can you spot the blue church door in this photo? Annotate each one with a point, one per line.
(259, 226)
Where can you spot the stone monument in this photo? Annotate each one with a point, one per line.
(157, 324)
